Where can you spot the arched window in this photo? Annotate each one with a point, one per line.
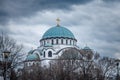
(49, 54)
(44, 54)
(52, 42)
(66, 41)
(33, 64)
(56, 41)
(61, 41)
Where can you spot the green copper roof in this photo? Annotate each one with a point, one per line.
(58, 31)
(86, 48)
(32, 57)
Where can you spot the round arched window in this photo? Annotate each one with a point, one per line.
(50, 54)
(52, 42)
(56, 41)
(44, 54)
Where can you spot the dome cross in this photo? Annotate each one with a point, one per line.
(58, 21)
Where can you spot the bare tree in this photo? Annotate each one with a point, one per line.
(106, 65)
(33, 72)
(87, 64)
(16, 54)
(73, 64)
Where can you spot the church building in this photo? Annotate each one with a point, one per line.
(53, 42)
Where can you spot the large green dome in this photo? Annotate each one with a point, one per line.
(58, 31)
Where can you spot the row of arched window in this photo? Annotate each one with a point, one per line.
(58, 41)
(49, 54)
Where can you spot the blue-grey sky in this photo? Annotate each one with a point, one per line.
(93, 22)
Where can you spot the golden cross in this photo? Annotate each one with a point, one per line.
(58, 21)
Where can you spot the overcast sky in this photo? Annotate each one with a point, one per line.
(93, 22)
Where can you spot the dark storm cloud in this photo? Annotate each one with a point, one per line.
(20, 8)
(96, 23)
(108, 32)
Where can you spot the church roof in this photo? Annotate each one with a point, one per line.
(32, 57)
(58, 31)
(86, 48)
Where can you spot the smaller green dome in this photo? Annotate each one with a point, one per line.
(86, 48)
(58, 31)
(32, 57)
